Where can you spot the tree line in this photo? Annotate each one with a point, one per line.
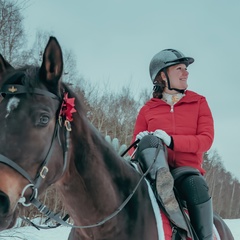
(113, 114)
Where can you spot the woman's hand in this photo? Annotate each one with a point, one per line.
(141, 135)
(163, 136)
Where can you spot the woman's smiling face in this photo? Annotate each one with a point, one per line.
(178, 76)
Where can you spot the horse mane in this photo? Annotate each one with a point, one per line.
(93, 144)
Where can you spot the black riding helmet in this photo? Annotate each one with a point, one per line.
(164, 59)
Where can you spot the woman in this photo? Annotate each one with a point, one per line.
(182, 120)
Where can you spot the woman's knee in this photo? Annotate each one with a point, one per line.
(193, 189)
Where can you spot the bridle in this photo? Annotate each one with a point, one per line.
(34, 184)
(43, 169)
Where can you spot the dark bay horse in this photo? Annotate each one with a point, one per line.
(45, 138)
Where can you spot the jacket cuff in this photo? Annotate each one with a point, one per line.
(171, 146)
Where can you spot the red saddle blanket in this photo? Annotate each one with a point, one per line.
(163, 223)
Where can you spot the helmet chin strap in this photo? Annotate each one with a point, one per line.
(169, 86)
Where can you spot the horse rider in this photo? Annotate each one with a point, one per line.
(182, 120)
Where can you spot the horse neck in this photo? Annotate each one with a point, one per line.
(92, 180)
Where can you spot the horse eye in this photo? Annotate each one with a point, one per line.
(44, 120)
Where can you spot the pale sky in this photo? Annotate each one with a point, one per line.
(114, 41)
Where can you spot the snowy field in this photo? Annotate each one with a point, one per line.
(61, 233)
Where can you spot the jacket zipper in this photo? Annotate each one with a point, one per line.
(173, 126)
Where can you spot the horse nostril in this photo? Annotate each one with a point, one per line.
(4, 203)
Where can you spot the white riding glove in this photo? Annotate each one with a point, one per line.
(141, 135)
(164, 136)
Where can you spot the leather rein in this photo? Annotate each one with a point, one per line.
(35, 183)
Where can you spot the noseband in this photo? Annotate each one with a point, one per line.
(43, 169)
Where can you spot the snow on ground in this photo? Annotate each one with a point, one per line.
(31, 233)
(234, 225)
(61, 233)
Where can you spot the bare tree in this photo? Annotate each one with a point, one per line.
(113, 114)
(70, 75)
(223, 187)
(12, 35)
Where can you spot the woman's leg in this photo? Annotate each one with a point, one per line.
(151, 154)
(194, 190)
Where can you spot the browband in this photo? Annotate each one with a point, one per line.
(14, 89)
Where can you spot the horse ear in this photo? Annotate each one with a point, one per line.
(52, 64)
(4, 66)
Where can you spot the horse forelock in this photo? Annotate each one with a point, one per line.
(26, 76)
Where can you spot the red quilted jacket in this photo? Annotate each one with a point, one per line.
(189, 122)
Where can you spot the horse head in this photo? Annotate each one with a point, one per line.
(31, 102)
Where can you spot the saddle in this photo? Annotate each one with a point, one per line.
(178, 232)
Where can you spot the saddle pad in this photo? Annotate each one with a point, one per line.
(163, 223)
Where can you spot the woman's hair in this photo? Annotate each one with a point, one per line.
(159, 85)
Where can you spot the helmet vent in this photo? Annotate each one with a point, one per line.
(178, 55)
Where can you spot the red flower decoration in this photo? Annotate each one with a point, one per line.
(67, 108)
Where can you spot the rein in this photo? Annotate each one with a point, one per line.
(43, 169)
(62, 221)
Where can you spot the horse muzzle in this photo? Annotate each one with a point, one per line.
(6, 218)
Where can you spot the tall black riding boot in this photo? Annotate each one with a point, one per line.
(149, 149)
(201, 216)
